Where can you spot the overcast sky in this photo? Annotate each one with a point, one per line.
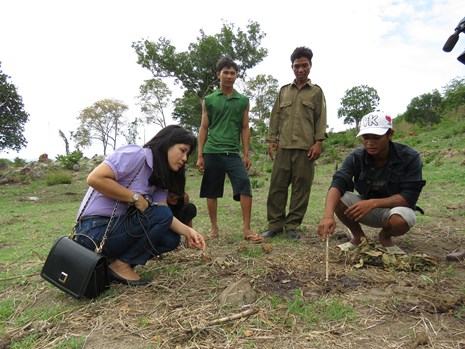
(65, 55)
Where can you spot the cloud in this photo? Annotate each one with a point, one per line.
(64, 56)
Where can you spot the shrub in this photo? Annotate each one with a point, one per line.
(68, 161)
(5, 163)
(18, 162)
(424, 109)
(58, 177)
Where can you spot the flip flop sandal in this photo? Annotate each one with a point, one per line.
(456, 256)
(394, 249)
(254, 238)
(347, 246)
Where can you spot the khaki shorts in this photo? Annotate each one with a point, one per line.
(378, 217)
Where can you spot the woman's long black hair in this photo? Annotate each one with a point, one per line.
(162, 176)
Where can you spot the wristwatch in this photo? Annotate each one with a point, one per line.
(135, 197)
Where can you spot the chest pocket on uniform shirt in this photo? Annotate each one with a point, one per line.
(309, 108)
(284, 109)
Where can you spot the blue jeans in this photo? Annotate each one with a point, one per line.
(134, 237)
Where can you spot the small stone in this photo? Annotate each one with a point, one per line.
(421, 338)
(238, 293)
(44, 158)
(267, 247)
(248, 333)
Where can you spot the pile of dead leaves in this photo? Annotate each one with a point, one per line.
(368, 253)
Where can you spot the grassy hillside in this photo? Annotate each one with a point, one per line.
(360, 307)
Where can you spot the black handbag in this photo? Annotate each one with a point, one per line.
(74, 268)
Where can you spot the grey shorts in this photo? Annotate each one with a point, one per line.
(378, 217)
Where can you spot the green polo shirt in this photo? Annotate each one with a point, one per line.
(298, 117)
(225, 115)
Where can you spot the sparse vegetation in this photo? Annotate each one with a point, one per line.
(68, 161)
(368, 308)
(58, 177)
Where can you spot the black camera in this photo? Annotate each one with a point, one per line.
(450, 43)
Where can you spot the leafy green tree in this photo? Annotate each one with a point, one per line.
(262, 91)
(424, 109)
(357, 102)
(454, 94)
(188, 110)
(194, 69)
(102, 121)
(154, 98)
(132, 132)
(12, 115)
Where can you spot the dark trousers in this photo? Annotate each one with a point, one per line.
(135, 237)
(290, 167)
(184, 212)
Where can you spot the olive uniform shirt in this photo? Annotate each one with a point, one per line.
(298, 118)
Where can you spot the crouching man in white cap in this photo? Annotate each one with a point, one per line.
(388, 179)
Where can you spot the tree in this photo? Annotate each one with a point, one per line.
(12, 115)
(187, 110)
(102, 121)
(65, 139)
(132, 131)
(262, 91)
(424, 109)
(357, 102)
(154, 97)
(454, 94)
(194, 69)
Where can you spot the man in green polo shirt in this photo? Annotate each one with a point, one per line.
(225, 122)
(297, 129)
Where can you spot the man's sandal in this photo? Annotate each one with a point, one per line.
(347, 246)
(254, 238)
(394, 249)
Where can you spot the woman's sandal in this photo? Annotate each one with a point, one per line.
(254, 238)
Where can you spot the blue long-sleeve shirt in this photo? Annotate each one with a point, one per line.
(402, 174)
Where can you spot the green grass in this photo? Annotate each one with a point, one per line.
(460, 312)
(28, 342)
(58, 177)
(29, 228)
(252, 252)
(7, 309)
(45, 312)
(316, 311)
(72, 343)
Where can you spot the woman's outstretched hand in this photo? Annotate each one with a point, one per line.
(195, 240)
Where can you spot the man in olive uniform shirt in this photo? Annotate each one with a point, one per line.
(296, 132)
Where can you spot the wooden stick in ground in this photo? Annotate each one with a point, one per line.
(242, 314)
(327, 258)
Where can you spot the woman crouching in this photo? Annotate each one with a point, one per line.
(143, 226)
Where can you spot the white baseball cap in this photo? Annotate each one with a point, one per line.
(376, 123)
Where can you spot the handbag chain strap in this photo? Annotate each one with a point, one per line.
(99, 249)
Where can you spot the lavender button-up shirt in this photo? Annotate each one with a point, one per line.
(125, 163)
